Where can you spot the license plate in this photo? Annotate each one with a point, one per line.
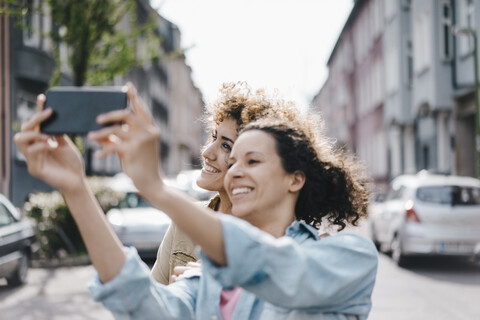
(455, 247)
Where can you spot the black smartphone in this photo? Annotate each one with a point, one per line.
(75, 109)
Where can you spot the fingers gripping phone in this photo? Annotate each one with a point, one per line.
(75, 109)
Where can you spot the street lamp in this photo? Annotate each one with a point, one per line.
(471, 32)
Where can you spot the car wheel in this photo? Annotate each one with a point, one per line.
(397, 254)
(19, 276)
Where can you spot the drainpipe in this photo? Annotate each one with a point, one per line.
(5, 102)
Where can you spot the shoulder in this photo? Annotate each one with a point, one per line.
(350, 242)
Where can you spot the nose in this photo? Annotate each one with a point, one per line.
(236, 170)
(209, 152)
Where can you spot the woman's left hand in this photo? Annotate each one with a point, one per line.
(135, 139)
(179, 270)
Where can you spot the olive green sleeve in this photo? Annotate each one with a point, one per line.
(176, 249)
(160, 270)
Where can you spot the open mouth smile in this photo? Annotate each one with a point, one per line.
(210, 169)
(241, 190)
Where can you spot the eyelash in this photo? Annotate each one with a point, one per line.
(225, 145)
(249, 162)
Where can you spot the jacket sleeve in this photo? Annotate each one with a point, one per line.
(335, 271)
(133, 294)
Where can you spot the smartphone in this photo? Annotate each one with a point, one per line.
(75, 109)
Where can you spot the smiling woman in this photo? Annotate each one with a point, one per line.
(236, 106)
(267, 262)
(259, 188)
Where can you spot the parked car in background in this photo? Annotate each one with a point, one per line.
(17, 242)
(138, 224)
(187, 180)
(428, 214)
(135, 221)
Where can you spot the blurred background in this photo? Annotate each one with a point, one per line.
(396, 82)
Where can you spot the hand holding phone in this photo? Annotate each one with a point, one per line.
(75, 109)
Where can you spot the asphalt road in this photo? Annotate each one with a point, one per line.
(440, 289)
(430, 289)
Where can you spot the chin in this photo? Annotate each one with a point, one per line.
(239, 212)
(207, 185)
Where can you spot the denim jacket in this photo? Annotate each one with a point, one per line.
(292, 277)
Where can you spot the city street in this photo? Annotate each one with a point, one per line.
(430, 289)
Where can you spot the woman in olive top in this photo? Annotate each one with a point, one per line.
(236, 106)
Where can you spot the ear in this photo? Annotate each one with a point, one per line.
(297, 181)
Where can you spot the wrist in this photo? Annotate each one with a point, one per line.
(74, 189)
(152, 190)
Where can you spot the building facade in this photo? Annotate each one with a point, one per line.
(352, 101)
(27, 64)
(412, 85)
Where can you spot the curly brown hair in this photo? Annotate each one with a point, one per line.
(335, 189)
(236, 100)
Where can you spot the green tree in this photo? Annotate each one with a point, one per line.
(98, 48)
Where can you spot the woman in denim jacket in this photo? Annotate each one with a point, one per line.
(283, 182)
(236, 106)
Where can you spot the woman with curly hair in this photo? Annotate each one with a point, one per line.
(264, 261)
(236, 106)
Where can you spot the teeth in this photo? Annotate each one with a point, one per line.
(240, 190)
(210, 169)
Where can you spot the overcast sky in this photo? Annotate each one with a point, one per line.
(271, 44)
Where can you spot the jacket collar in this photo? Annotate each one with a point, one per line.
(300, 227)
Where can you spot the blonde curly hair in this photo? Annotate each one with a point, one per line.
(337, 188)
(237, 101)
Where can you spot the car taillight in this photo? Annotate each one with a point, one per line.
(410, 214)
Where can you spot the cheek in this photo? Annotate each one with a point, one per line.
(223, 161)
(226, 181)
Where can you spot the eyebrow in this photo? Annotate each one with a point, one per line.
(258, 152)
(247, 154)
(228, 139)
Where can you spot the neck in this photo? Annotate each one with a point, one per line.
(277, 228)
(276, 220)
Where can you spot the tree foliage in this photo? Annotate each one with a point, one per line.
(101, 37)
(100, 47)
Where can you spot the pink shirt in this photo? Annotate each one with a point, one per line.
(228, 301)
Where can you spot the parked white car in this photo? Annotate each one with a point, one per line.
(428, 214)
(135, 221)
(138, 224)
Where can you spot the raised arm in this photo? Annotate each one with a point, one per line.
(59, 163)
(137, 143)
(299, 272)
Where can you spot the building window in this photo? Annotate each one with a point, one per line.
(392, 66)
(466, 20)
(409, 62)
(422, 42)
(390, 9)
(446, 33)
(426, 157)
(26, 108)
(31, 32)
(407, 4)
